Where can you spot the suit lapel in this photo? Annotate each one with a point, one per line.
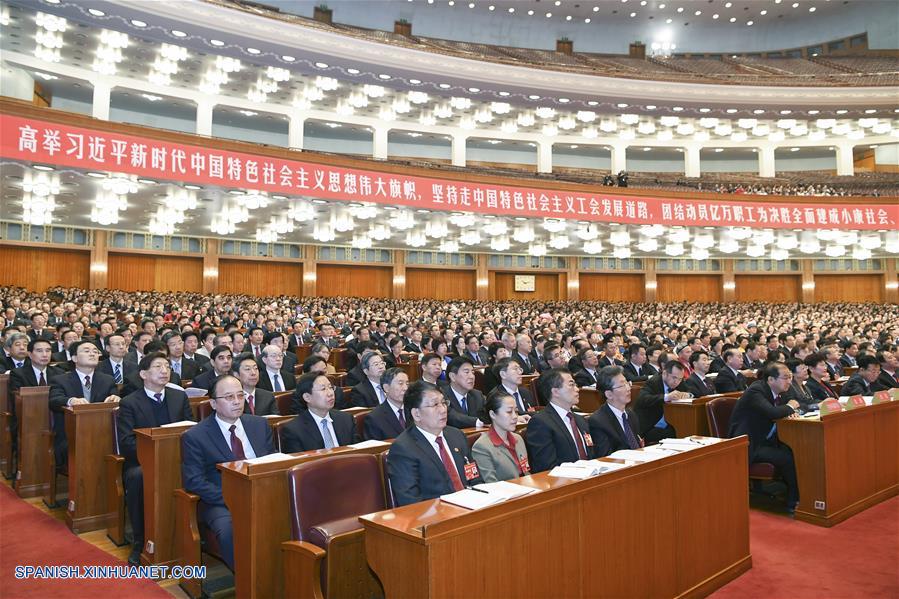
(215, 434)
(429, 451)
(615, 425)
(563, 427)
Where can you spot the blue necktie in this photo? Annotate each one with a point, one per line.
(118, 374)
(629, 433)
(278, 386)
(662, 423)
(464, 401)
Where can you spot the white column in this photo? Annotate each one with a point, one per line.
(296, 132)
(380, 143)
(544, 157)
(619, 158)
(691, 161)
(102, 92)
(845, 161)
(766, 161)
(204, 117)
(459, 149)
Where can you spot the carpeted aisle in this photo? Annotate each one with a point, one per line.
(795, 560)
(30, 537)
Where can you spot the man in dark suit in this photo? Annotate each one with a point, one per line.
(133, 381)
(556, 434)
(610, 351)
(414, 344)
(35, 372)
(141, 339)
(37, 330)
(80, 386)
(729, 378)
(388, 420)
(368, 393)
(115, 364)
(478, 355)
(354, 375)
(259, 402)
(589, 372)
(186, 369)
(850, 354)
(327, 335)
(832, 359)
(277, 339)
(863, 381)
(221, 360)
(697, 383)
(191, 345)
(272, 374)
(152, 406)
(428, 459)
(319, 426)
(300, 336)
(62, 356)
(509, 374)
(755, 415)
(226, 436)
(889, 375)
(650, 404)
(635, 367)
(464, 401)
(614, 426)
(522, 354)
(16, 346)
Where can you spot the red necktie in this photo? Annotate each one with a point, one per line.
(581, 451)
(450, 466)
(252, 404)
(401, 418)
(236, 445)
(42, 381)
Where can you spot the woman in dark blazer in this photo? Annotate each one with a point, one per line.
(500, 452)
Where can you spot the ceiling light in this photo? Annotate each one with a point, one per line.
(178, 33)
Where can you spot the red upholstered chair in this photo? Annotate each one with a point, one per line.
(192, 540)
(719, 411)
(115, 489)
(204, 410)
(359, 419)
(326, 556)
(285, 402)
(473, 437)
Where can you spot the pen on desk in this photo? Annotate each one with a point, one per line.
(478, 490)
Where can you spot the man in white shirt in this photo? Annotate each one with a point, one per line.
(509, 374)
(556, 434)
(614, 426)
(368, 393)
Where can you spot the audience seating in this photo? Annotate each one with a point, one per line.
(115, 489)
(327, 548)
(719, 411)
(193, 539)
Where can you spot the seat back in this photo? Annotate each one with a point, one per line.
(285, 401)
(333, 489)
(388, 489)
(204, 410)
(719, 411)
(114, 415)
(359, 419)
(472, 438)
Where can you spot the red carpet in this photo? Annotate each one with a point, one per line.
(856, 558)
(30, 537)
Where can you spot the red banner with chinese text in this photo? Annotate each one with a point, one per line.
(35, 141)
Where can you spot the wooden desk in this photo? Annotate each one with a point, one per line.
(33, 418)
(846, 462)
(694, 539)
(256, 495)
(589, 400)
(159, 456)
(89, 433)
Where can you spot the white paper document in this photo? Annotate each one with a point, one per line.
(505, 489)
(689, 442)
(195, 392)
(633, 455)
(583, 469)
(369, 443)
(179, 423)
(472, 500)
(272, 457)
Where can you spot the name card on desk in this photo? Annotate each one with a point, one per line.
(881, 397)
(856, 401)
(829, 406)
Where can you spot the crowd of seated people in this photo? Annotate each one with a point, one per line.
(138, 348)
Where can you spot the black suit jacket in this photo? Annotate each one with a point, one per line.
(189, 369)
(354, 376)
(204, 379)
(549, 440)
(264, 403)
(820, 392)
(584, 378)
(364, 395)
(24, 377)
(650, 404)
(754, 414)
(608, 436)
(132, 382)
(698, 388)
(416, 472)
(128, 369)
(382, 423)
(728, 382)
(69, 385)
(203, 446)
(202, 362)
(289, 381)
(801, 394)
(59, 357)
(856, 385)
(885, 382)
(136, 411)
(604, 361)
(456, 416)
(529, 367)
(630, 372)
(835, 373)
(846, 362)
(527, 398)
(45, 334)
(303, 433)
